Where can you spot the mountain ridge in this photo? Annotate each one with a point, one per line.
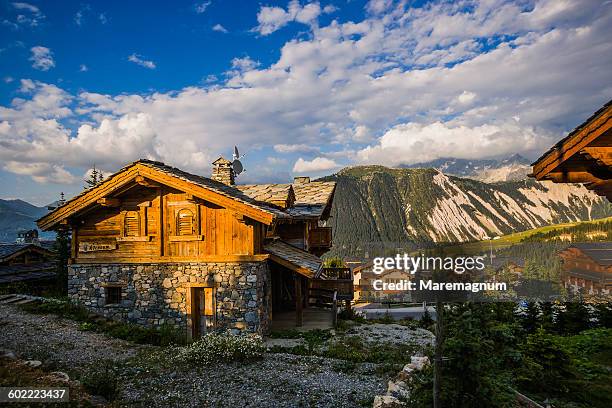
(403, 206)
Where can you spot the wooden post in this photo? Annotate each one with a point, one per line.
(297, 284)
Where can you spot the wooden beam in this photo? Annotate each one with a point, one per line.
(299, 302)
(142, 181)
(602, 154)
(109, 202)
(100, 259)
(572, 177)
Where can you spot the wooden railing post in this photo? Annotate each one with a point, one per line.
(299, 302)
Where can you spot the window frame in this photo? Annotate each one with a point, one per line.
(108, 289)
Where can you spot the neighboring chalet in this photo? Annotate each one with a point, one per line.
(26, 264)
(155, 245)
(584, 156)
(363, 281)
(587, 268)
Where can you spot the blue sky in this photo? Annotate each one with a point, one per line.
(303, 87)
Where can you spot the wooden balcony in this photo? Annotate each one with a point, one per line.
(320, 237)
(338, 280)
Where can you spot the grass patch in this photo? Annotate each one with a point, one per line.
(162, 336)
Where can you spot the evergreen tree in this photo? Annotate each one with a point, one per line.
(531, 320)
(95, 178)
(62, 249)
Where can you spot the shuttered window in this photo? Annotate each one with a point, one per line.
(185, 222)
(131, 224)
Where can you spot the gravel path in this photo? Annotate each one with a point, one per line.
(279, 380)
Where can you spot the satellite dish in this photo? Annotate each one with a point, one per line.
(237, 166)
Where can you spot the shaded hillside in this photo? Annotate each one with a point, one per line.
(378, 207)
(16, 215)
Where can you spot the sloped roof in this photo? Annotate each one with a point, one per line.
(20, 273)
(156, 170)
(600, 252)
(267, 192)
(7, 250)
(311, 199)
(294, 258)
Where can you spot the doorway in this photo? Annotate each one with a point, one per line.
(202, 311)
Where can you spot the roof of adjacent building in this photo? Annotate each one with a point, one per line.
(594, 276)
(600, 252)
(267, 192)
(294, 258)
(27, 272)
(577, 129)
(311, 200)
(8, 250)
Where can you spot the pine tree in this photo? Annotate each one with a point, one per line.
(95, 178)
(531, 320)
(62, 249)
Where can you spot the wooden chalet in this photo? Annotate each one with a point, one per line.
(155, 245)
(31, 266)
(583, 156)
(587, 268)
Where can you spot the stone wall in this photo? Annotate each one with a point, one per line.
(156, 294)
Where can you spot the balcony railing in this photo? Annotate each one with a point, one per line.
(320, 237)
(339, 280)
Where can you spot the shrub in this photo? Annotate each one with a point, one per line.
(223, 348)
(102, 380)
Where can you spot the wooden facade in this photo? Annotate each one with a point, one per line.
(155, 215)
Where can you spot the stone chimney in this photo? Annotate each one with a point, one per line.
(223, 171)
(301, 180)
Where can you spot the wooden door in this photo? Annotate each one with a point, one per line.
(202, 311)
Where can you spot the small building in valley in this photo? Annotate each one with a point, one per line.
(31, 267)
(155, 245)
(587, 268)
(369, 286)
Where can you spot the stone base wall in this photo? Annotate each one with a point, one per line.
(155, 294)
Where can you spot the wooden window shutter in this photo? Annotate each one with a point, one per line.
(185, 222)
(131, 224)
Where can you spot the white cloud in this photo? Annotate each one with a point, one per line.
(138, 59)
(295, 148)
(219, 28)
(271, 19)
(8, 79)
(83, 68)
(315, 165)
(41, 172)
(103, 18)
(28, 15)
(201, 7)
(351, 88)
(413, 142)
(378, 6)
(42, 58)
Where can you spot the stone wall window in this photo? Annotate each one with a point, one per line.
(185, 222)
(113, 295)
(131, 224)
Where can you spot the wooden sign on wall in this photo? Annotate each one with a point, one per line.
(97, 246)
